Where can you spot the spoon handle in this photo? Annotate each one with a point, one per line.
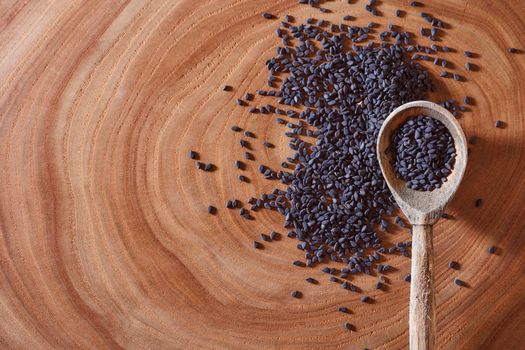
(422, 315)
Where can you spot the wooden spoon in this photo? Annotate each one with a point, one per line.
(423, 209)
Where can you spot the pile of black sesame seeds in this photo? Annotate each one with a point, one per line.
(337, 92)
(333, 93)
(423, 153)
(336, 199)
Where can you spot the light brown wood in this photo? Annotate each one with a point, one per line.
(423, 209)
(422, 315)
(104, 238)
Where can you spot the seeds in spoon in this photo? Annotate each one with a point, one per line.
(423, 153)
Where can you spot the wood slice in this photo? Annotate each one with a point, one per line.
(105, 239)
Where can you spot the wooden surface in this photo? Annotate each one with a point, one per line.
(105, 242)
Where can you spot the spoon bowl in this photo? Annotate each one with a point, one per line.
(423, 209)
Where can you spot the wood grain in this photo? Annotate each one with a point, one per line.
(105, 242)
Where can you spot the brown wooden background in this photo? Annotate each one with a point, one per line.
(104, 237)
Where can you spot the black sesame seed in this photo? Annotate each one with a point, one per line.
(268, 15)
(311, 280)
(407, 278)
(212, 210)
(243, 178)
(296, 294)
(227, 88)
(299, 263)
(468, 54)
(354, 288)
(365, 299)
(512, 50)
(248, 156)
(275, 235)
(460, 282)
(453, 265)
(257, 245)
(344, 310)
(479, 203)
(236, 128)
(468, 66)
(499, 124)
(492, 250)
(193, 155)
(349, 326)
(268, 144)
(249, 134)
